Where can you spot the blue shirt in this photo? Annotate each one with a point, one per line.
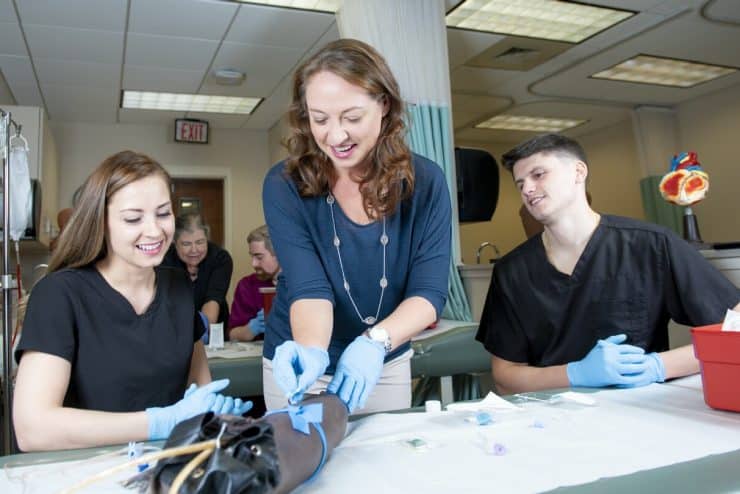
(417, 255)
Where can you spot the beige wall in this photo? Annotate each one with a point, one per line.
(711, 127)
(614, 184)
(239, 156)
(276, 137)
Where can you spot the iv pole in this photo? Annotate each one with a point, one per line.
(8, 284)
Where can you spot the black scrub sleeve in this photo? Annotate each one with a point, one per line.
(696, 292)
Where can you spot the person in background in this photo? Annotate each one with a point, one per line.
(111, 341)
(362, 228)
(247, 318)
(587, 301)
(208, 266)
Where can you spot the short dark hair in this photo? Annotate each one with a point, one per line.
(544, 143)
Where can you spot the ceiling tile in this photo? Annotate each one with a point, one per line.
(27, 95)
(81, 104)
(82, 74)
(11, 39)
(17, 70)
(185, 18)
(65, 43)
(258, 24)
(264, 65)
(159, 79)
(169, 52)
(103, 15)
(7, 13)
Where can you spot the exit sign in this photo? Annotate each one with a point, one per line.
(191, 130)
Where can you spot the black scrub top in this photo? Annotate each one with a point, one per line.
(631, 278)
(214, 277)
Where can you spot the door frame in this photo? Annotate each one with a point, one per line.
(211, 172)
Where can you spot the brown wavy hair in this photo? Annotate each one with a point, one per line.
(82, 242)
(387, 177)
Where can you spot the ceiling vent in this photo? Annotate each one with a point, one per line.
(516, 53)
(229, 77)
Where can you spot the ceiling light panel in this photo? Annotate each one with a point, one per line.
(147, 100)
(330, 6)
(530, 124)
(545, 19)
(647, 69)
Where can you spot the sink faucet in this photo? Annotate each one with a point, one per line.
(483, 246)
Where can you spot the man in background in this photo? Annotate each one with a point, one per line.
(247, 320)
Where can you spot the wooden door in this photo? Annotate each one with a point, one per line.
(205, 195)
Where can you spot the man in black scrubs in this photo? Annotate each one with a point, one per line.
(587, 302)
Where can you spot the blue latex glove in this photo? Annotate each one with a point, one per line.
(207, 325)
(358, 371)
(654, 373)
(608, 363)
(224, 404)
(296, 367)
(196, 400)
(257, 324)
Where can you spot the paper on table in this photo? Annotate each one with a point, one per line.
(732, 321)
(492, 401)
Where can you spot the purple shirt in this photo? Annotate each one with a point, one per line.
(247, 300)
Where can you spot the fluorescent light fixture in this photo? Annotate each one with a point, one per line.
(206, 103)
(531, 124)
(546, 19)
(319, 5)
(663, 71)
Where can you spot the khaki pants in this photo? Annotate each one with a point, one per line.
(393, 391)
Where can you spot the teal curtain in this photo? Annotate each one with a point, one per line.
(658, 210)
(430, 137)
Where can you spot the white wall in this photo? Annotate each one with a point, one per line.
(711, 126)
(240, 156)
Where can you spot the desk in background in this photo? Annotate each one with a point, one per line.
(448, 349)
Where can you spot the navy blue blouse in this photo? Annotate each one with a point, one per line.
(417, 255)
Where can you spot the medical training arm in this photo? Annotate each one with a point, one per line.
(42, 423)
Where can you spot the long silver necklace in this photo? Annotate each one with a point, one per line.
(369, 320)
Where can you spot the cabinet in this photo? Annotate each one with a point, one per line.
(42, 163)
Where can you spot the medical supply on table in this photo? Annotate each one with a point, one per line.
(492, 402)
(565, 397)
(216, 337)
(432, 406)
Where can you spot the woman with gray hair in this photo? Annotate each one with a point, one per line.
(208, 265)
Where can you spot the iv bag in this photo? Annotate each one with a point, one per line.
(21, 201)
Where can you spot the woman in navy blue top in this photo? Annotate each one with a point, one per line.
(362, 230)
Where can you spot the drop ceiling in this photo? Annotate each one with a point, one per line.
(74, 57)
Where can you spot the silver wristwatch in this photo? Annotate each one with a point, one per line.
(376, 333)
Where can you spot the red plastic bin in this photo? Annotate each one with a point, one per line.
(719, 355)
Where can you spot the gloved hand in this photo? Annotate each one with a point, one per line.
(224, 404)
(609, 362)
(296, 367)
(196, 400)
(207, 326)
(654, 372)
(358, 371)
(257, 324)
